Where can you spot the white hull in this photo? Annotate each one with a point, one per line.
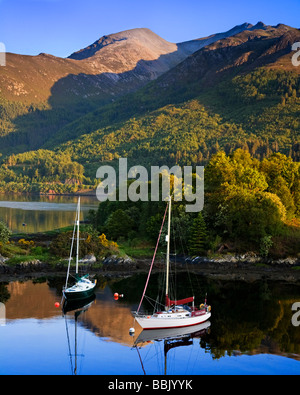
(171, 333)
(163, 321)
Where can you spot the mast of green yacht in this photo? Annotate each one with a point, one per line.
(168, 250)
(77, 241)
(76, 223)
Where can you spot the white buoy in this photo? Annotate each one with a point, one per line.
(131, 331)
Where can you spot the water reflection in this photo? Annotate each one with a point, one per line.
(249, 320)
(75, 308)
(34, 213)
(171, 338)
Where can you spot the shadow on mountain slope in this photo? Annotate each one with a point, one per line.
(82, 103)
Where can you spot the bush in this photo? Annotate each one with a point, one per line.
(89, 244)
(5, 232)
(265, 245)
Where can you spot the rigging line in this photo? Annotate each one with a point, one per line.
(161, 280)
(137, 348)
(153, 305)
(70, 257)
(197, 355)
(187, 369)
(82, 343)
(186, 265)
(69, 344)
(153, 258)
(175, 259)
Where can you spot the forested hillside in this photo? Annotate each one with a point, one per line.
(258, 112)
(41, 171)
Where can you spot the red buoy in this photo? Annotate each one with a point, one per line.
(116, 296)
(56, 304)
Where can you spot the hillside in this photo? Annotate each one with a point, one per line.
(230, 101)
(42, 94)
(237, 91)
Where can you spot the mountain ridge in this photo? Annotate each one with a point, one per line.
(75, 106)
(140, 52)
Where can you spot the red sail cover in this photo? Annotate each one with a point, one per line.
(170, 302)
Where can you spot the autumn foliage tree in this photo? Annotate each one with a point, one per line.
(248, 199)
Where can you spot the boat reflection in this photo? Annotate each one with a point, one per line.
(172, 338)
(76, 308)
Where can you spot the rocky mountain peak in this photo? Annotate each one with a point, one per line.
(143, 36)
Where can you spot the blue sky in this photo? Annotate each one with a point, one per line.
(60, 27)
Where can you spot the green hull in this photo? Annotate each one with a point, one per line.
(80, 294)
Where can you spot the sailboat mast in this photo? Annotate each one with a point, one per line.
(168, 249)
(77, 248)
(71, 251)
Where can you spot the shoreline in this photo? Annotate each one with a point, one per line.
(226, 271)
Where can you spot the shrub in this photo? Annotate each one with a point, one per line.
(5, 232)
(89, 244)
(265, 245)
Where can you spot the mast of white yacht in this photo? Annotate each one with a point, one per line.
(168, 250)
(77, 223)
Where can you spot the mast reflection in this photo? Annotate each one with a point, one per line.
(76, 308)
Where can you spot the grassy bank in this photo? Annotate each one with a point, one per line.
(53, 247)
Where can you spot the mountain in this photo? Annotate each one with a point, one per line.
(258, 46)
(240, 78)
(41, 94)
(134, 94)
(143, 45)
(114, 64)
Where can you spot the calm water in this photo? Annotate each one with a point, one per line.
(250, 332)
(34, 213)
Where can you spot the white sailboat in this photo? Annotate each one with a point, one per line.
(83, 287)
(176, 313)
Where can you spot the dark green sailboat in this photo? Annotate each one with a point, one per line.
(83, 287)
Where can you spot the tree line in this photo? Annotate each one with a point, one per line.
(248, 205)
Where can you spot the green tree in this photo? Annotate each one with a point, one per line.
(249, 216)
(282, 175)
(198, 236)
(119, 224)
